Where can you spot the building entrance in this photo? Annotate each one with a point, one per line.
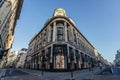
(60, 60)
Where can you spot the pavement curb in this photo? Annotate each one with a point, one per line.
(3, 73)
(30, 73)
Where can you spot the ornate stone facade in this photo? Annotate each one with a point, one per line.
(60, 45)
(9, 13)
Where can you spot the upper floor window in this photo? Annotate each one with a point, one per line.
(59, 33)
(1, 2)
(75, 38)
(60, 30)
(68, 35)
(60, 24)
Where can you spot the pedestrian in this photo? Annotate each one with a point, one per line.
(100, 67)
(89, 68)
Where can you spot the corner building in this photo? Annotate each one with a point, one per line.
(60, 45)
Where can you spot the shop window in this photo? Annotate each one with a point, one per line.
(71, 53)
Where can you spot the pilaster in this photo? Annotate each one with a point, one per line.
(54, 31)
(65, 27)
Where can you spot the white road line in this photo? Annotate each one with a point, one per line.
(31, 73)
(10, 71)
(3, 72)
(15, 77)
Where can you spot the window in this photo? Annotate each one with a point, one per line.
(60, 24)
(44, 37)
(1, 2)
(68, 35)
(59, 33)
(75, 40)
(71, 53)
(48, 53)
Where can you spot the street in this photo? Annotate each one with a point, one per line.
(109, 73)
(13, 74)
(26, 74)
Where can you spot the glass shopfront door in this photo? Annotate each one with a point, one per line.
(59, 62)
(60, 56)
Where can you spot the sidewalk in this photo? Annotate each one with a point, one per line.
(77, 75)
(2, 73)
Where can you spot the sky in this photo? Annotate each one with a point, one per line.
(97, 20)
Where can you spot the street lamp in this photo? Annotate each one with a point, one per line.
(43, 64)
(71, 69)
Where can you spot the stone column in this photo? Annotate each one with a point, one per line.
(51, 57)
(74, 56)
(65, 31)
(71, 34)
(51, 54)
(54, 31)
(80, 59)
(77, 39)
(49, 33)
(68, 54)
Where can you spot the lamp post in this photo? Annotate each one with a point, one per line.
(71, 73)
(71, 69)
(44, 59)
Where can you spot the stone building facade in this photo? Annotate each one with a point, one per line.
(21, 58)
(60, 45)
(9, 13)
(11, 59)
(117, 58)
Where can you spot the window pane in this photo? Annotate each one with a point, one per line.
(1, 1)
(60, 37)
(60, 25)
(60, 30)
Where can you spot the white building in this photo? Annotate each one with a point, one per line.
(117, 58)
(11, 59)
(20, 63)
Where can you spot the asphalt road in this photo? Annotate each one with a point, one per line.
(14, 74)
(110, 73)
(26, 74)
(115, 70)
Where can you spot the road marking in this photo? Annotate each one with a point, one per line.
(15, 77)
(10, 71)
(112, 70)
(3, 73)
